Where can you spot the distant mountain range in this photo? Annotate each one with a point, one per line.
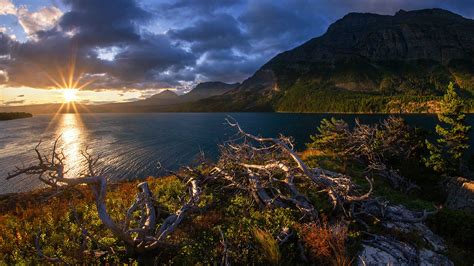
(163, 101)
(363, 63)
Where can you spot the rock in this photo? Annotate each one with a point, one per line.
(428, 257)
(460, 194)
(386, 251)
(430, 238)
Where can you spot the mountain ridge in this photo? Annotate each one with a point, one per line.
(412, 53)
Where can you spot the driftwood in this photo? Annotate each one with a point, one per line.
(147, 237)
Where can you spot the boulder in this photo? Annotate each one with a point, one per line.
(387, 249)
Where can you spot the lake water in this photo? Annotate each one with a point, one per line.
(134, 145)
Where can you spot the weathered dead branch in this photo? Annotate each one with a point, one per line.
(269, 169)
(144, 238)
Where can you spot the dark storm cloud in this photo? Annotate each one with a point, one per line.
(153, 53)
(6, 44)
(33, 63)
(281, 25)
(227, 66)
(103, 22)
(199, 6)
(216, 32)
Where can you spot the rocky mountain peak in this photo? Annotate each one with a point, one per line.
(166, 94)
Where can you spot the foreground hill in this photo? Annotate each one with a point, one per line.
(364, 62)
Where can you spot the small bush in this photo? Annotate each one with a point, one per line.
(326, 243)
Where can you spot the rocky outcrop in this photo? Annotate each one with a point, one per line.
(430, 34)
(386, 251)
(460, 194)
(393, 247)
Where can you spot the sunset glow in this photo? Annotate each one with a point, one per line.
(70, 95)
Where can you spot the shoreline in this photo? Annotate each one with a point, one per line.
(5, 116)
(224, 112)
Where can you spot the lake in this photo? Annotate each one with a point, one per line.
(135, 145)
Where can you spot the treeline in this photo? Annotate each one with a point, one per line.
(14, 115)
(307, 99)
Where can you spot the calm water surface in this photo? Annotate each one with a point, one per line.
(134, 145)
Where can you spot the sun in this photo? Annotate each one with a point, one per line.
(70, 95)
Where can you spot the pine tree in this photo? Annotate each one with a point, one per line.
(447, 153)
(332, 135)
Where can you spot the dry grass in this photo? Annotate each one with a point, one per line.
(268, 245)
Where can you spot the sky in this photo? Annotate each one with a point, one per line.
(125, 50)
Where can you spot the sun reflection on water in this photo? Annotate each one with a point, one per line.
(71, 131)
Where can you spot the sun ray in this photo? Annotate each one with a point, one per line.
(56, 83)
(76, 82)
(55, 116)
(72, 68)
(63, 79)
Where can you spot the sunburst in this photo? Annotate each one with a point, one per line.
(69, 82)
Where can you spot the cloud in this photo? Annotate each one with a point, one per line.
(216, 32)
(103, 22)
(200, 8)
(4, 76)
(14, 102)
(154, 53)
(281, 25)
(228, 67)
(7, 7)
(31, 22)
(44, 19)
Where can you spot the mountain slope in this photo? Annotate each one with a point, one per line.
(208, 89)
(370, 57)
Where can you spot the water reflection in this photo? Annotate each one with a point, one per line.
(72, 141)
